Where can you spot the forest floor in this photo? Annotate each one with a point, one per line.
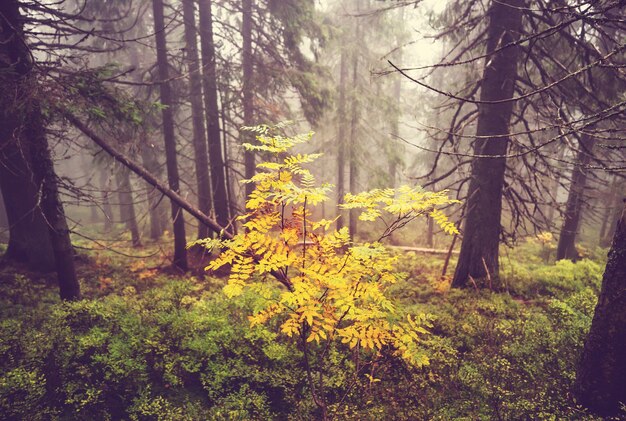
(147, 343)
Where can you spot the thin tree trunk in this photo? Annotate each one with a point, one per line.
(354, 121)
(105, 189)
(156, 211)
(180, 241)
(395, 149)
(608, 209)
(615, 215)
(601, 372)
(127, 205)
(232, 203)
(341, 136)
(566, 248)
(248, 86)
(212, 115)
(197, 118)
(478, 258)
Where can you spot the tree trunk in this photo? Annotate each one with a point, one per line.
(51, 206)
(105, 189)
(29, 242)
(212, 116)
(23, 141)
(4, 222)
(197, 117)
(608, 209)
(616, 207)
(341, 136)
(180, 241)
(354, 121)
(156, 211)
(566, 248)
(600, 377)
(248, 86)
(478, 258)
(127, 205)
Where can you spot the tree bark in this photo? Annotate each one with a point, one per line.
(478, 258)
(23, 138)
(51, 206)
(616, 207)
(127, 205)
(566, 248)
(197, 118)
(105, 189)
(180, 241)
(601, 372)
(29, 241)
(158, 215)
(354, 121)
(341, 136)
(248, 86)
(212, 116)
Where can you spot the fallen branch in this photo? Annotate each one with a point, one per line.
(171, 194)
(146, 175)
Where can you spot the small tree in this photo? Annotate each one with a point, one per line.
(334, 290)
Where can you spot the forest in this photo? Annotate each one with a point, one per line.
(312, 210)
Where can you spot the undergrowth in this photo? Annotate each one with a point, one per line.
(152, 346)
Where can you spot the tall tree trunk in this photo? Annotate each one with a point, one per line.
(105, 189)
(22, 137)
(601, 372)
(51, 206)
(478, 258)
(395, 150)
(608, 209)
(155, 207)
(29, 241)
(341, 136)
(615, 215)
(354, 122)
(180, 241)
(212, 116)
(127, 205)
(248, 89)
(566, 248)
(197, 118)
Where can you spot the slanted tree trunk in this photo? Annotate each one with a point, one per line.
(601, 372)
(341, 135)
(23, 140)
(248, 86)
(212, 116)
(180, 241)
(566, 248)
(478, 258)
(197, 116)
(127, 204)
